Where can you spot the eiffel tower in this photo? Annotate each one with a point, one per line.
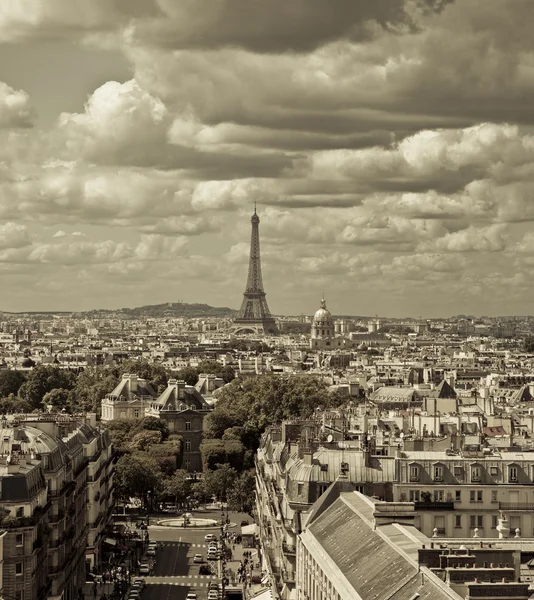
(254, 315)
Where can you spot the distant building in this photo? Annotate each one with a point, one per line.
(183, 409)
(128, 400)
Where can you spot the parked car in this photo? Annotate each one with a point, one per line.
(210, 537)
(153, 543)
(144, 569)
(139, 581)
(213, 595)
(191, 596)
(151, 551)
(134, 595)
(198, 558)
(243, 523)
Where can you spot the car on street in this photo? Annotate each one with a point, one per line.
(191, 596)
(134, 595)
(139, 581)
(213, 585)
(213, 595)
(144, 569)
(198, 558)
(153, 543)
(210, 537)
(244, 523)
(151, 551)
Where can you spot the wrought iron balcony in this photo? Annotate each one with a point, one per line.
(434, 505)
(516, 506)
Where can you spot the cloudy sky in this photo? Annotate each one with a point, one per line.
(389, 145)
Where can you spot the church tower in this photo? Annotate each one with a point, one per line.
(254, 315)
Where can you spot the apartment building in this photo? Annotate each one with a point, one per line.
(46, 465)
(460, 493)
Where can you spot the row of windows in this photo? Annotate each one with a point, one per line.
(458, 471)
(456, 496)
(476, 521)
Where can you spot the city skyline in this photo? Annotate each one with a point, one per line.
(388, 145)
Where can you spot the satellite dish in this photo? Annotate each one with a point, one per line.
(330, 438)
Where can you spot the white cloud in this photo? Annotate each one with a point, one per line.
(16, 109)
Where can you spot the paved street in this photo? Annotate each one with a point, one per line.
(175, 573)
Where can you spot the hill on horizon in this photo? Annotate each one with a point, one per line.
(167, 309)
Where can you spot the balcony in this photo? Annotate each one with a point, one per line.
(516, 506)
(288, 549)
(434, 505)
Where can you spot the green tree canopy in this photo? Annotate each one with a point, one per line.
(10, 382)
(219, 482)
(58, 398)
(154, 373)
(43, 379)
(215, 452)
(168, 454)
(178, 487)
(91, 387)
(136, 475)
(242, 494)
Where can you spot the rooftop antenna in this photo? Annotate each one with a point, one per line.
(254, 206)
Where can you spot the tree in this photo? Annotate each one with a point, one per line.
(120, 432)
(154, 424)
(91, 387)
(220, 481)
(242, 494)
(43, 379)
(155, 374)
(168, 455)
(213, 453)
(58, 398)
(212, 367)
(10, 382)
(187, 374)
(12, 404)
(143, 439)
(136, 475)
(178, 487)
(219, 420)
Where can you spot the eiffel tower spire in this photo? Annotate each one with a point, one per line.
(254, 315)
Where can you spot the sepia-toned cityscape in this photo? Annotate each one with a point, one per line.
(265, 324)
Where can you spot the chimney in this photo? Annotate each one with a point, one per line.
(133, 383)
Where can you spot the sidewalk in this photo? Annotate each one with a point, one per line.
(233, 567)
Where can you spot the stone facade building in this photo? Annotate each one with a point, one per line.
(183, 409)
(129, 400)
(50, 467)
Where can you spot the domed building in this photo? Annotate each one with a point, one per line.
(323, 330)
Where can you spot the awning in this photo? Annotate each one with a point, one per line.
(263, 595)
(110, 541)
(248, 529)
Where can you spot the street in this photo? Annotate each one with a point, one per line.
(175, 574)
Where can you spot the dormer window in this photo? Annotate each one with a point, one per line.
(476, 473)
(512, 474)
(438, 472)
(414, 473)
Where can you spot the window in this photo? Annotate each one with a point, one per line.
(515, 523)
(458, 496)
(494, 521)
(187, 444)
(18, 568)
(512, 474)
(438, 473)
(187, 465)
(458, 472)
(439, 524)
(136, 413)
(475, 496)
(476, 521)
(494, 496)
(438, 495)
(475, 473)
(494, 471)
(414, 473)
(188, 425)
(20, 511)
(300, 489)
(458, 521)
(415, 496)
(19, 539)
